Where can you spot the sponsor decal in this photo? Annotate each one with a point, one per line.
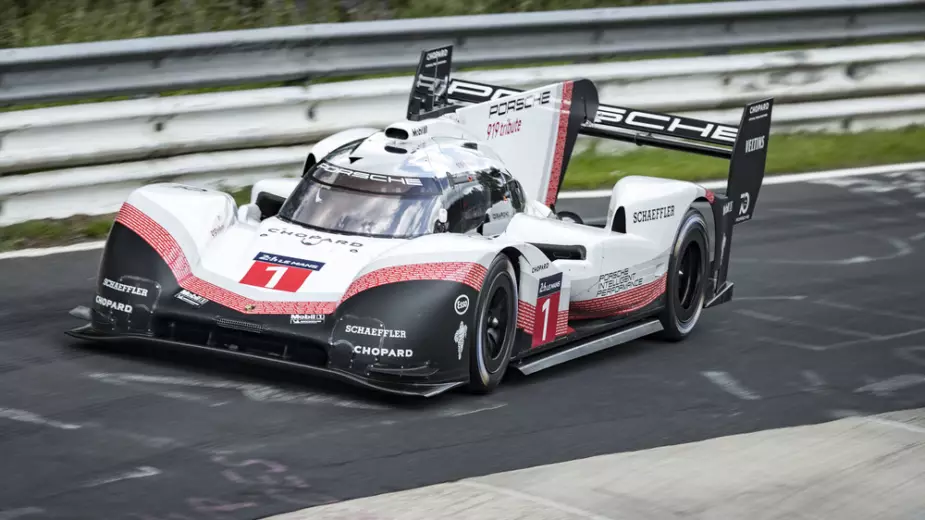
(754, 144)
(439, 53)
(191, 298)
(123, 288)
(314, 240)
(727, 208)
(305, 319)
(499, 129)
(408, 181)
(639, 119)
(519, 104)
(462, 304)
(419, 131)
(373, 331)
(309, 239)
(546, 312)
(501, 215)
(282, 273)
(116, 306)
(383, 352)
(460, 338)
(218, 226)
(619, 281)
(541, 267)
(754, 109)
(653, 214)
(477, 92)
(744, 201)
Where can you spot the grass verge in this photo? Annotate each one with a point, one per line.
(787, 153)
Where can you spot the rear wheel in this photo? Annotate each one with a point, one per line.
(496, 319)
(688, 270)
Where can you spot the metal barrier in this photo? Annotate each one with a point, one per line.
(847, 88)
(302, 53)
(211, 139)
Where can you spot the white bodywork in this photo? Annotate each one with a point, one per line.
(618, 273)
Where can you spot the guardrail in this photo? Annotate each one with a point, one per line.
(301, 53)
(211, 139)
(846, 88)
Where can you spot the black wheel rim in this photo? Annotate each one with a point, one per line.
(689, 281)
(495, 332)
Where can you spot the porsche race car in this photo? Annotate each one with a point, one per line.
(428, 255)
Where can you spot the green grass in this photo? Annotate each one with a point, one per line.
(28, 23)
(49, 232)
(787, 153)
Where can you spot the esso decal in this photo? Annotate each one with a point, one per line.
(462, 304)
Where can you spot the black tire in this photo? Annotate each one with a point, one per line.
(688, 271)
(496, 321)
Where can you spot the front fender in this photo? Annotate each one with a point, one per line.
(195, 216)
(406, 331)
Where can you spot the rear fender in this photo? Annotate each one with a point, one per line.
(651, 208)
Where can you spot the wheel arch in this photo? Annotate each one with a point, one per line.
(703, 205)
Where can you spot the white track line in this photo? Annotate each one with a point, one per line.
(45, 251)
(730, 385)
(588, 194)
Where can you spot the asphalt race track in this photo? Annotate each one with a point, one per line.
(827, 321)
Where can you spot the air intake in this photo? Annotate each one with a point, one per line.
(246, 326)
(396, 133)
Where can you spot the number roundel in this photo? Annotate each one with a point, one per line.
(280, 273)
(547, 309)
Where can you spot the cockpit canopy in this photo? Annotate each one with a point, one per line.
(400, 194)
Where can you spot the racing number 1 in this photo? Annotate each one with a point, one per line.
(547, 310)
(279, 277)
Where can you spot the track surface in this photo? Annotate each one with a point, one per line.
(827, 320)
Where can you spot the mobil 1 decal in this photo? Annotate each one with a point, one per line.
(282, 273)
(547, 309)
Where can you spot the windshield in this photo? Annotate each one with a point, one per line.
(341, 200)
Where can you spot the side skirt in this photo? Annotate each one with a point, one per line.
(588, 346)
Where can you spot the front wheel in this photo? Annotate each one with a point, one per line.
(496, 320)
(688, 270)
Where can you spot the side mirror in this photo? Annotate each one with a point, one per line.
(269, 204)
(440, 224)
(249, 213)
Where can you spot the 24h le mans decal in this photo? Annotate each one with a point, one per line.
(282, 273)
(547, 309)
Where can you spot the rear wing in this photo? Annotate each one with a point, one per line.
(434, 93)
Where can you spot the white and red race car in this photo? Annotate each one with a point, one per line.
(428, 255)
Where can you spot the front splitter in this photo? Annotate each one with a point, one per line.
(88, 333)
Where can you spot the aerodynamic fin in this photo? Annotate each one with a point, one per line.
(534, 132)
(746, 173)
(429, 91)
(749, 156)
